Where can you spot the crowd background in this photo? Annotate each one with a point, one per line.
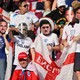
(35, 15)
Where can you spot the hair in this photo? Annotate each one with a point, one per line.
(2, 20)
(20, 2)
(1, 3)
(77, 9)
(68, 8)
(44, 22)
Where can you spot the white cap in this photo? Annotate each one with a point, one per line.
(61, 3)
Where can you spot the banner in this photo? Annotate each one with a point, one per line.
(50, 70)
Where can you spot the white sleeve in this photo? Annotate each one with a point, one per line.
(35, 18)
(64, 34)
(56, 39)
(12, 19)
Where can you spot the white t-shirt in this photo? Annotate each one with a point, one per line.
(21, 45)
(28, 18)
(50, 40)
(69, 32)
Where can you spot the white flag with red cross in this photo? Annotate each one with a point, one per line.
(48, 69)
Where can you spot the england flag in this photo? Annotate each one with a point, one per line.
(50, 70)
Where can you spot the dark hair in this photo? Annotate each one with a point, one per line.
(77, 8)
(68, 8)
(1, 3)
(44, 22)
(2, 20)
(20, 2)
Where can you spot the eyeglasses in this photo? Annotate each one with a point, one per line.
(45, 27)
(22, 60)
(25, 5)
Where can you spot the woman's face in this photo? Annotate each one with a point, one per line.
(69, 15)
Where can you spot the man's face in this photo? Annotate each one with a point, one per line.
(24, 7)
(61, 9)
(3, 27)
(45, 29)
(23, 62)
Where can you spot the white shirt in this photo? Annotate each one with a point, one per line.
(21, 45)
(51, 40)
(28, 18)
(69, 32)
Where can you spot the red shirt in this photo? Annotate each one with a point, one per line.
(30, 75)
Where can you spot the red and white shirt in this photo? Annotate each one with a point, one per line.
(30, 72)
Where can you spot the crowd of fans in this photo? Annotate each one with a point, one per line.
(56, 22)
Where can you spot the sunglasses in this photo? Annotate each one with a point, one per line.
(45, 27)
(22, 60)
(25, 5)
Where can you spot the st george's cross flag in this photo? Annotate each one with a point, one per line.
(67, 63)
(48, 69)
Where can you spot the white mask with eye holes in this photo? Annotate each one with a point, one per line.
(23, 29)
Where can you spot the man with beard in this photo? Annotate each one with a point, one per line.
(4, 43)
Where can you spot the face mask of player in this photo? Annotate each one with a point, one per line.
(22, 30)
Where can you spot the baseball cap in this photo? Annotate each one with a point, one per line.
(22, 55)
(61, 3)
